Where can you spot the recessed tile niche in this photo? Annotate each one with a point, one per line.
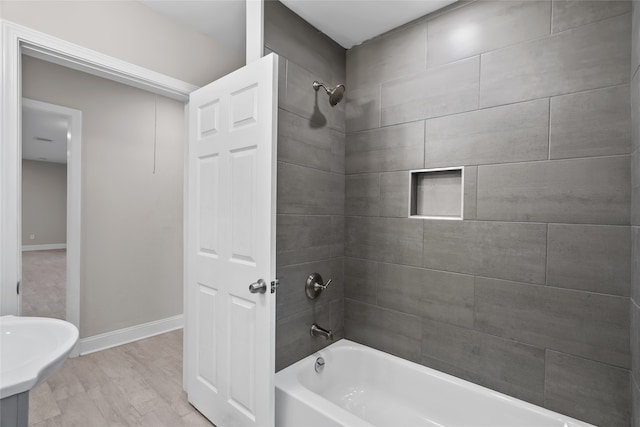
(437, 193)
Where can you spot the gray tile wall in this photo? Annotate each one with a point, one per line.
(635, 216)
(311, 183)
(529, 294)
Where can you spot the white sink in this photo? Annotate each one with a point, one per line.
(31, 349)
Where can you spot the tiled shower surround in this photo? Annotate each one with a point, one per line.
(310, 201)
(530, 293)
(635, 217)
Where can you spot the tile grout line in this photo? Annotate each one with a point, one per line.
(506, 104)
(546, 256)
(549, 132)
(479, 276)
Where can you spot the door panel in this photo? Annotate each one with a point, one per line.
(230, 336)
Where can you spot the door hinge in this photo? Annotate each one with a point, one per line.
(18, 288)
(274, 285)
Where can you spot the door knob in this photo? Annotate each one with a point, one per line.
(259, 287)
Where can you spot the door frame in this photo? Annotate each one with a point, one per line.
(73, 202)
(16, 40)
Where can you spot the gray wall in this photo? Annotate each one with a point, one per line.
(310, 205)
(131, 237)
(635, 216)
(44, 203)
(529, 295)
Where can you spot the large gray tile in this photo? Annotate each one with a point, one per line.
(587, 57)
(293, 340)
(337, 236)
(397, 240)
(513, 251)
(593, 123)
(635, 52)
(387, 330)
(635, 340)
(635, 188)
(590, 191)
(510, 133)
(507, 366)
(394, 194)
(302, 238)
(300, 143)
(635, 264)
(587, 390)
(387, 149)
(338, 141)
(291, 296)
(470, 192)
(302, 99)
(362, 108)
(294, 38)
(361, 280)
(437, 295)
(449, 89)
(582, 323)
(396, 54)
(303, 190)
(635, 403)
(635, 109)
(484, 26)
(589, 257)
(573, 13)
(336, 322)
(362, 194)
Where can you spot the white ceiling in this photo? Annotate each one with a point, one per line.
(38, 127)
(348, 22)
(351, 22)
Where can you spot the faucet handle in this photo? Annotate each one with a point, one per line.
(321, 286)
(314, 285)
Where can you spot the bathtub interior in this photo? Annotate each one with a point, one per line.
(388, 391)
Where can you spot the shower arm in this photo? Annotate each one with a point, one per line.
(317, 85)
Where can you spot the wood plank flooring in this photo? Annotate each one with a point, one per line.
(137, 384)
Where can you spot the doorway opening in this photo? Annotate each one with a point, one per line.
(50, 214)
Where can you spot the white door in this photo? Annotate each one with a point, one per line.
(230, 341)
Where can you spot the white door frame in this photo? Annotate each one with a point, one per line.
(16, 40)
(74, 185)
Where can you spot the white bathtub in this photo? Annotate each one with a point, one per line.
(363, 387)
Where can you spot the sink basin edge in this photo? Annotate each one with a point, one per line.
(33, 348)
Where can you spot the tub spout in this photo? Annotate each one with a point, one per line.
(317, 331)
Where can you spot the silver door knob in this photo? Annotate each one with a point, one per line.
(259, 287)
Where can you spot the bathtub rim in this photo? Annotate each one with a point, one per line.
(288, 383)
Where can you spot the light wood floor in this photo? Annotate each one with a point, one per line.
(44, 283)
(137, 384)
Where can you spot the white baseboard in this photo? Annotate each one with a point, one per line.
(127, 335)
(44, 247)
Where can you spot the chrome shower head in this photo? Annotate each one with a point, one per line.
(335, 94)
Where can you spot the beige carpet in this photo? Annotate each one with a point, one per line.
(44, 283)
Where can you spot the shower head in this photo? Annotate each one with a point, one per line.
(335, 94)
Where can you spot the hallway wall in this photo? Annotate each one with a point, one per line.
(44, 203)
(131, 236)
